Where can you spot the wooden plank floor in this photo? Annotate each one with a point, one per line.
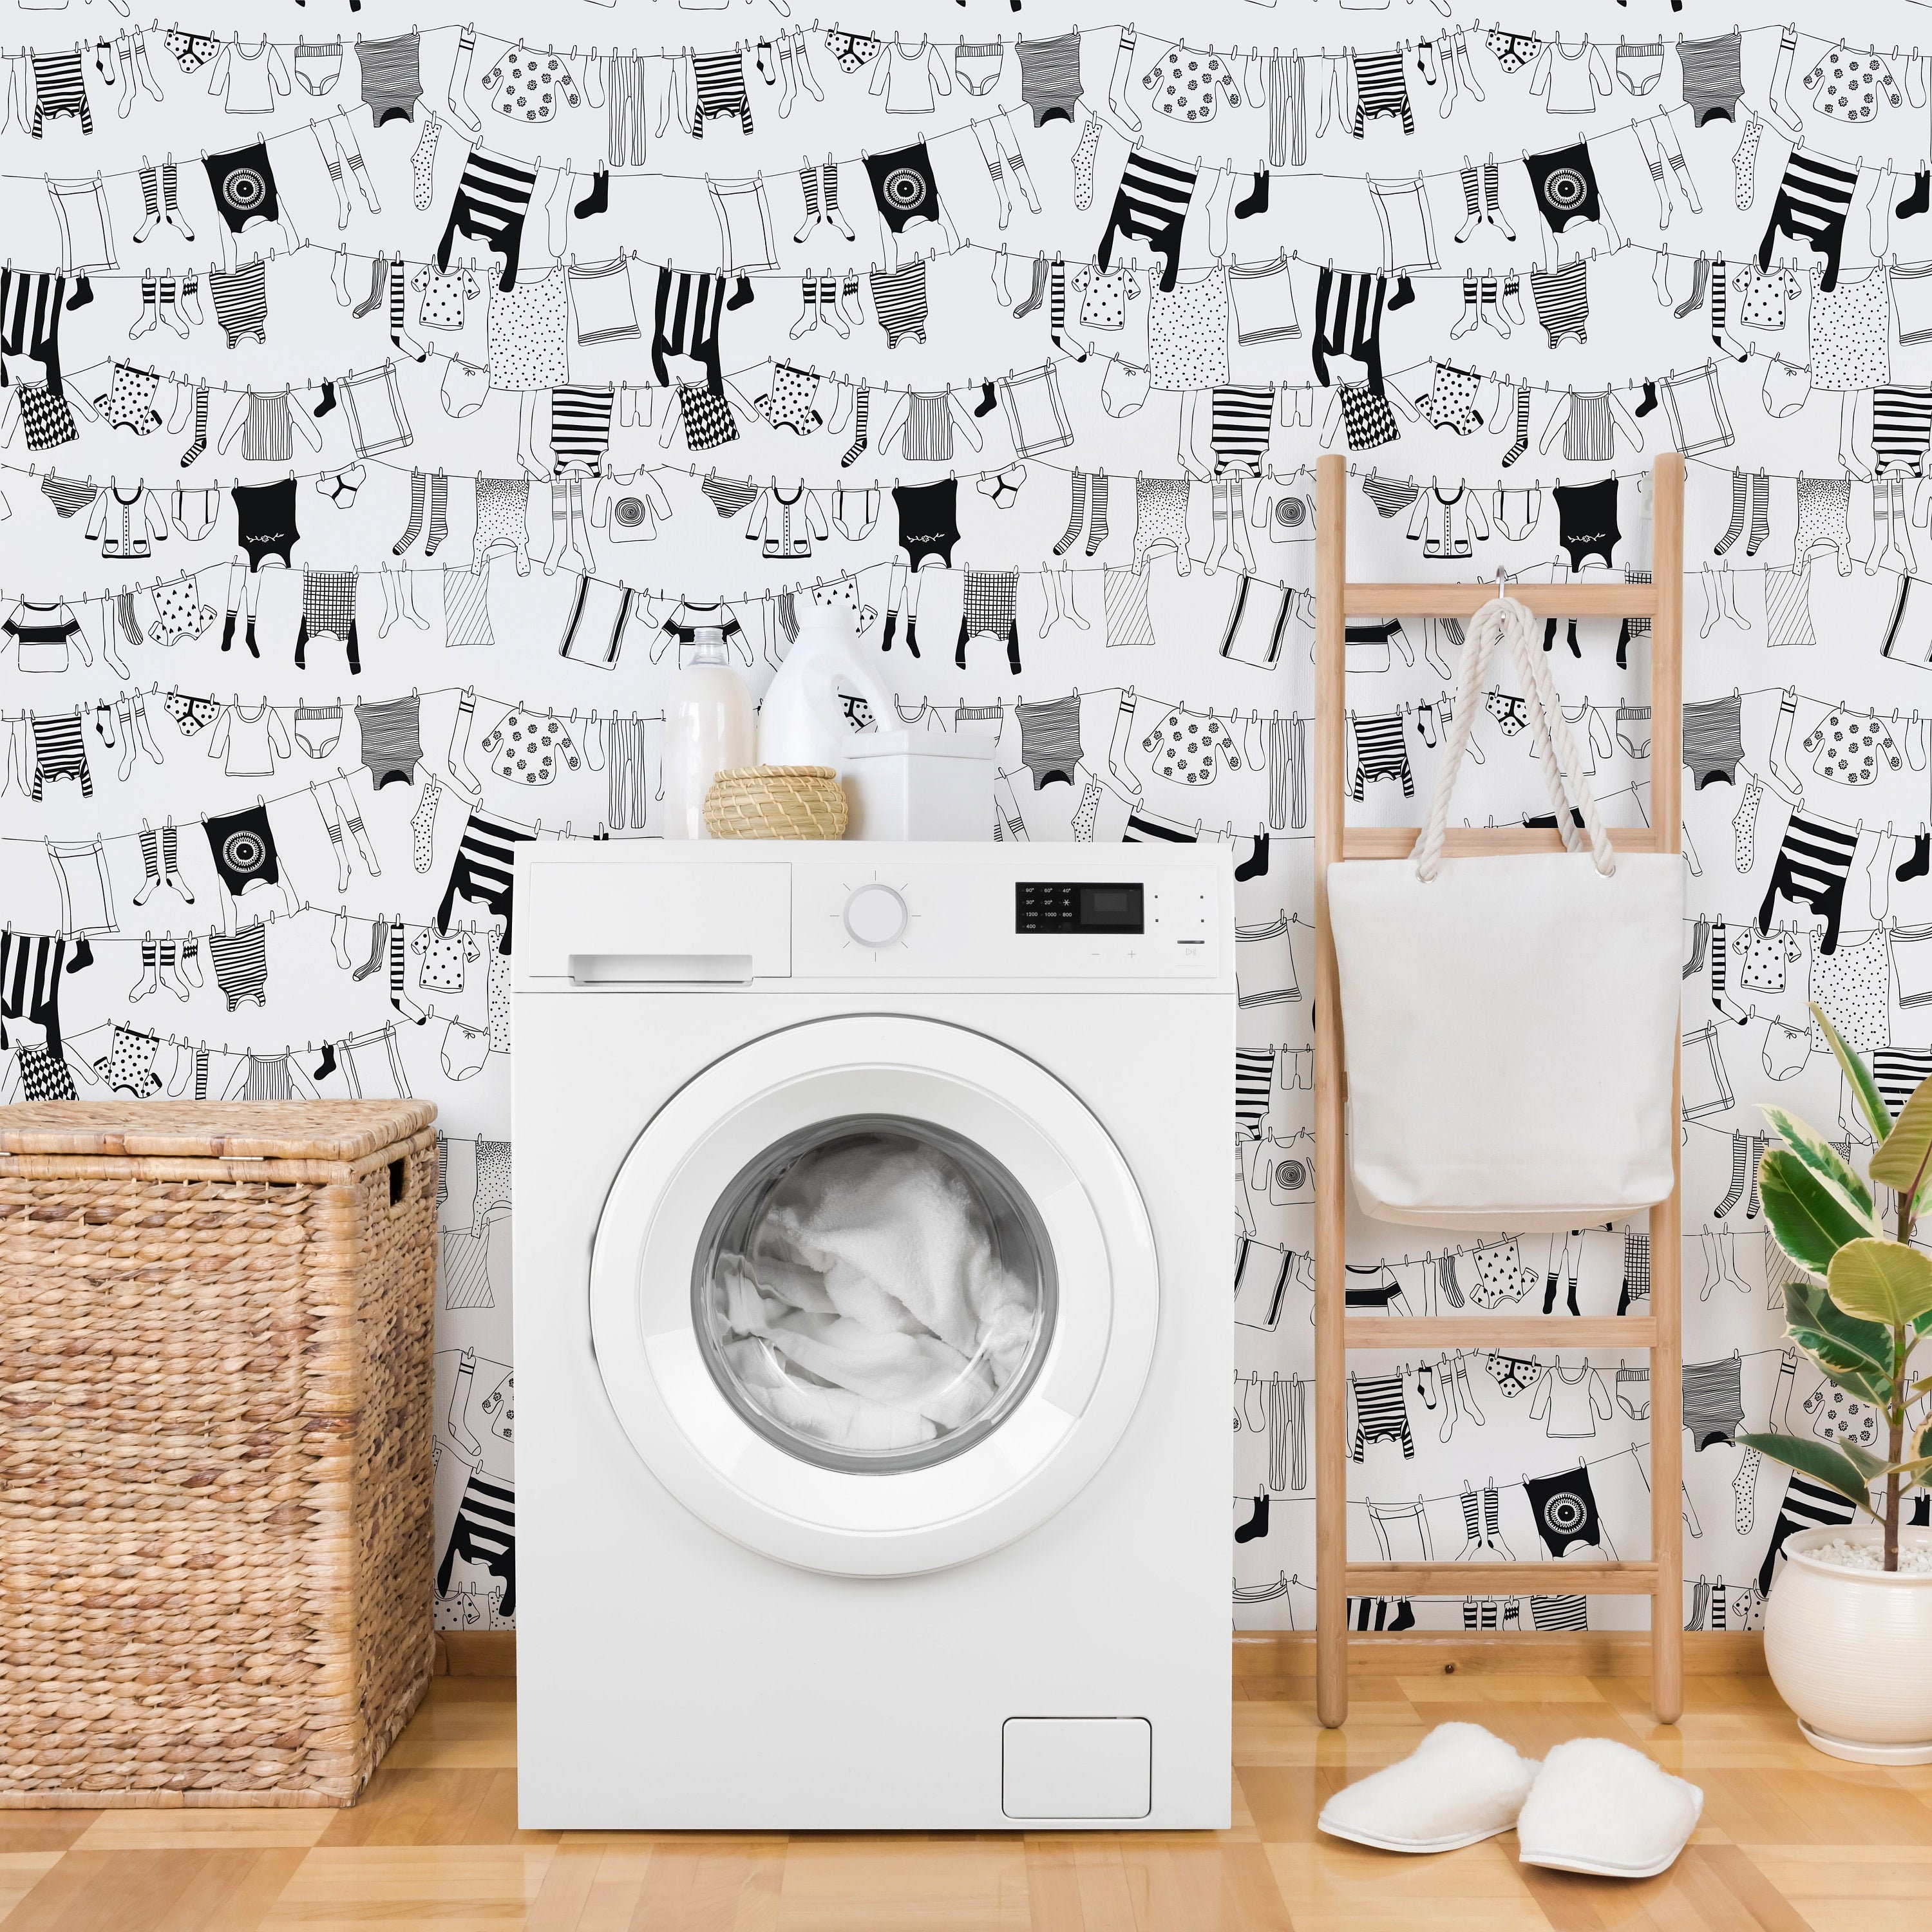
(1789, 1840)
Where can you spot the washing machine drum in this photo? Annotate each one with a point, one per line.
(874, 1295)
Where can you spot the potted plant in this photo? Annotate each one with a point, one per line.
(1848, 1628)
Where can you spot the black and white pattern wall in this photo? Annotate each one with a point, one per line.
(381, 411)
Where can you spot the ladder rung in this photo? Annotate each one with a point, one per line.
(1498, 1331)
(1504, 1579)
(1398, 841)
(1465, 600)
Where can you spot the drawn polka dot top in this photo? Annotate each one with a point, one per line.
(1185, 85)
(526, 86)
(526, 747)
(1852, 87)
(1849, 746)
(1185, 747)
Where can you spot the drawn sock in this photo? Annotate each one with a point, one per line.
(399, 997)
(598, 201)
(1119, 771)
(1740, 1153)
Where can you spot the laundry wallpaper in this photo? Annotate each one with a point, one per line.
(382, 409)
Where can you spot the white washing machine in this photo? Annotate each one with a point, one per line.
(872, 1335)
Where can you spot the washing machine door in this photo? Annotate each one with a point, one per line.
(874, 1295)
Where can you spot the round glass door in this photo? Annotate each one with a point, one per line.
(874, 1293)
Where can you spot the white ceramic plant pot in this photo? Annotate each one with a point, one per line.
(1850, 1651)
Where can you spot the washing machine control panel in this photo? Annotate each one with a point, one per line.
(911, 918)
(1042, 905)
(669, 914)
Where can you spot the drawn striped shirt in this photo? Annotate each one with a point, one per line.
(1381, 752)
(580, 427)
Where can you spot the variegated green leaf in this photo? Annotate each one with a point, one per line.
(1904, 1154)
(1855, 1354)
(1871, 1103)
(1868, 1384)
(1881, 1281)
(1812, 1217)
(1819, 1154)
(1869, 1466)
(1821, 1461)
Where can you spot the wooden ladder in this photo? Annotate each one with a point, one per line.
(1660, 1577)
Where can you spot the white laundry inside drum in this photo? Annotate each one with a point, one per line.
(874, 1293)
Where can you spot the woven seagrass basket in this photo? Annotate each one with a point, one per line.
(215, 1481)
(776, 802)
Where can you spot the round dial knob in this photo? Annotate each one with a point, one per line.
(875, 916)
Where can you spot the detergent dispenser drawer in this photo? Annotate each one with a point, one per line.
(648, 925)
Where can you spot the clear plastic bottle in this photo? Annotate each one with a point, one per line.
(709, 728)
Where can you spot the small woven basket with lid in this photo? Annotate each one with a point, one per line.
(776, 802)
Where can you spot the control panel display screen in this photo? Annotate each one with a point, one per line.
(1040, 906)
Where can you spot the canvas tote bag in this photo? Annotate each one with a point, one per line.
(1508, 1023)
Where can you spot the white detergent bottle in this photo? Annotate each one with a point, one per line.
(804, 719)
(709, 728)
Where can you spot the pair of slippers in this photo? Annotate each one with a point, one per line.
(1591, 1805)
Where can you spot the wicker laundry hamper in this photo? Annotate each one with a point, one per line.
(215, 1482)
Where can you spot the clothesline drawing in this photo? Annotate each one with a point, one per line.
(770, 601)
(391, 365)
(1779, 689)
(1728, 1605)
(305, 912)
(1850, 936)
(756, 593)
(344, 702)
(747, 43)
(1548, 1355)
(167, 1036)
(172, 962)
(200, 1071)
(1797, 261)
(268, 802)
(1349, 59)
(762, 595)
(950, 137)
(987, 391)
(1300, 472)
(1128, 695)
(1455, 1497)
(1059, 358)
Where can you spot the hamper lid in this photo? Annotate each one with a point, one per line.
(212, 1129)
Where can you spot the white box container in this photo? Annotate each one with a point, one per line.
(919, 785)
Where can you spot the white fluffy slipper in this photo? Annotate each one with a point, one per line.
(1460, 1786)
(1599, 1806)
